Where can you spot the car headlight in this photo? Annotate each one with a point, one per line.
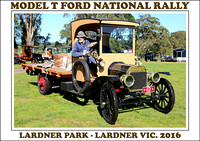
(155, 77)
(128, 80)
(102, 63)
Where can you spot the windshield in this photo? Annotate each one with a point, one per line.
(117, 39)
(34, 50)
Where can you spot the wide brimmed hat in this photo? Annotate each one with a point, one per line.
(81, 34)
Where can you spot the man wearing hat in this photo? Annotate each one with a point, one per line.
(83, 47)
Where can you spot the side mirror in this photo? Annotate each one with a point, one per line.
(93, 34)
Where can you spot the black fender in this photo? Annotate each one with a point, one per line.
(113, 79)
(164, 72)
(161, 72)
(95, 88)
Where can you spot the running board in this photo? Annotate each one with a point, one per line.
(133, 101)
(68, 87)
(76, 93)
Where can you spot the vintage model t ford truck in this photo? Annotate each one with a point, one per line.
(120, 79)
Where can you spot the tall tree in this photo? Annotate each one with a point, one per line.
(152, 37)
(178, 39)
(27, 27)
(32, 21)
(46, 41)
(57, 44)
(65, 33)
(16, 30)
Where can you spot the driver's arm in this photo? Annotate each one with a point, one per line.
(92, 44)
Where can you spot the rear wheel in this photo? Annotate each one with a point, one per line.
(108, 103)
(165, 97)
(44, 85)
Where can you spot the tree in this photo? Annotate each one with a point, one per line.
(46, 41)
(178, 39)
(65, 33)
(57, 44)
(27, 27)
(152, 37)
(32, 21)
(129, 17)
(17, 30)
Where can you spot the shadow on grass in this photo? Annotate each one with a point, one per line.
(73, 98)
(135, 106)
(66, 95)
(33, 83)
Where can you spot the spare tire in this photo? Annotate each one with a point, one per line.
(81, 86)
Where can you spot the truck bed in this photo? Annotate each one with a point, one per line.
(48, 69)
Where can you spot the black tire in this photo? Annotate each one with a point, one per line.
(81, 86)
(44, 85)
(108, 103)
(165, 96)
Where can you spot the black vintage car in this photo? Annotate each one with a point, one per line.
(150, 57)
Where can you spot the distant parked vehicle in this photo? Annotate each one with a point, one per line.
(17, 58)
(179, 55)
(50, 51)
(32, 54)
(149, 57)
(167, 58)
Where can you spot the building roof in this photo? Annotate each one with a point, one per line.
(180, 49)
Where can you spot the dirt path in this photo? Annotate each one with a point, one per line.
(19, 70)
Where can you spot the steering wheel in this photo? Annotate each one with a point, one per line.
(93, 54)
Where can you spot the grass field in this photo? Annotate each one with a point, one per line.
(31, 109)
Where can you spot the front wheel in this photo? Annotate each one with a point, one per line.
(165, 96)
(108, 103)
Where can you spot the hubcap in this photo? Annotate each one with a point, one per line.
(41, 82)
(162, 95)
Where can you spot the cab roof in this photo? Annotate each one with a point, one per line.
(94, 24)
(105, 21)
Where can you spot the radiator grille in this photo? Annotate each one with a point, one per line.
(140, 80)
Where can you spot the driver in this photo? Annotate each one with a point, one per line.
(83, 47)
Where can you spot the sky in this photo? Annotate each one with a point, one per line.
(53, 23)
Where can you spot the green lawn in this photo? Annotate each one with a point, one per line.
(31, 109)
(19, 65)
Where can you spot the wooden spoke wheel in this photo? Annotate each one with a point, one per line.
(108, 103)
(165, 97)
